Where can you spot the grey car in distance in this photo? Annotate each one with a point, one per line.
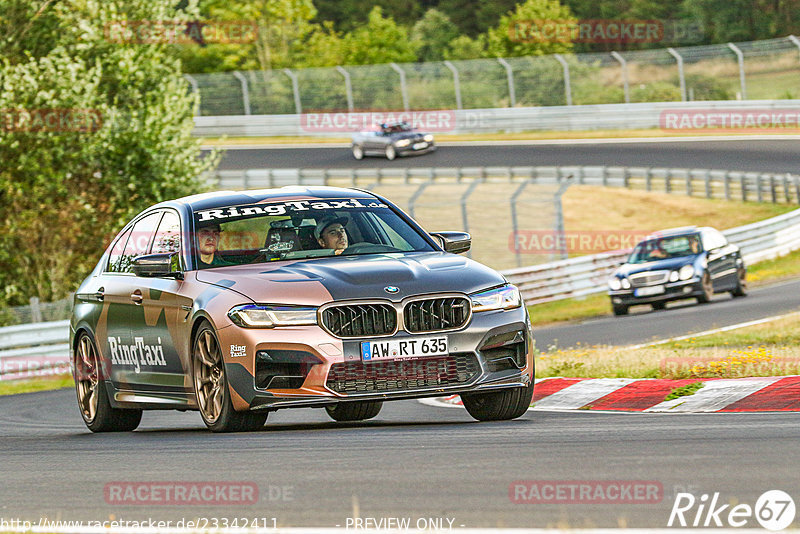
(391, 140)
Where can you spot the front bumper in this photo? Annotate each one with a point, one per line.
(499, 344)
(672, 291)
(407, 150)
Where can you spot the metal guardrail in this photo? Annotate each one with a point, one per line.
(707, 183)
(587, 275)
(35, 349)
(493, 120)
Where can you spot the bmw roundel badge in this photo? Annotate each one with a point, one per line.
(391, 289)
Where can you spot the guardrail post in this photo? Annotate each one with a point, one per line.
(512, 94)
(348, 87)
(403, 86)
(624, 65)
(36, 310)
(562, 188)
(464, 215)
(514, 226)
(786, 193)
(626, 178)
(245, 91)
(298, 107)
(681, 76)
(743, 185)
(727, 185)
(648, 179)
(456, 82)
(604, 175)
(773, 193)
(796, 41)
(567, 82)
(195, 89)
(707, 179)
(740, 59)
(668, 181)
(796, 187)
(759, 187)
(689, 182)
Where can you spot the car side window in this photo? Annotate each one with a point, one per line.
(115, 255)
(168, 235)
(138, 242)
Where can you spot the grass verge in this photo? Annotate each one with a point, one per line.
(768, 349)
(684, 391)
(36, 384)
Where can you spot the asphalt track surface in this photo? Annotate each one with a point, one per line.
(644, 325)
(412, 461)
(759, 155)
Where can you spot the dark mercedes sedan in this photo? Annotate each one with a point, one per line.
(677, 264)
(237, 304)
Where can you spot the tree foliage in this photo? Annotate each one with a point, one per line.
(93, 131)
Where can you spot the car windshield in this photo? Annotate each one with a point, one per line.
(396, 128)
(665, 247)
(300, 229)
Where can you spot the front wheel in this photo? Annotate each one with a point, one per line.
(741, 284)
(96, 409)
(354, 411)
(358, 152)
(619, 309)
(391, 153)
(708, 289)
(498, 405)
(211, 388)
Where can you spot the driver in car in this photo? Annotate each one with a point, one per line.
(330, 233)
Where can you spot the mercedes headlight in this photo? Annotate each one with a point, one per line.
(402, 142)
(264, 316)
(500, 298)
(626, 284)
(686, 272)
(673, 276)
(614, 283)
(428, 138)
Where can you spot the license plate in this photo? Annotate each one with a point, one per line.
(647, 291)
(403, 349)
(420, 146)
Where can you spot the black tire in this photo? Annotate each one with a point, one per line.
(391, 153)
(358, 152)
(741, 284)
(708, 289)
(211, 387)
(354, 411)
(619, 309)
(90, 386)
(659, 305)
(498, 405)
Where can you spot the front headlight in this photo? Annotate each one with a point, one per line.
(673, 276)
(501, 298)
(265, 316)
(626, 284)
(428, 138)
(686, 272)
(614, 283)
(402, 142)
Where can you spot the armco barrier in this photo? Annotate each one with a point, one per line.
(551, 118)
(43, 348)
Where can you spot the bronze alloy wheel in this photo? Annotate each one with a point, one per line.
(86, 378)
(208, 376)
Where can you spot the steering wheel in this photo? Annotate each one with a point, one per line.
(366, 247)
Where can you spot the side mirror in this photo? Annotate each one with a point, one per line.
(158, 266)
(455, 242)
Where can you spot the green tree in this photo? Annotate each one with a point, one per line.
(432, 34)
(94, 130)
(381, 40)
(464, 47)
(516, 33)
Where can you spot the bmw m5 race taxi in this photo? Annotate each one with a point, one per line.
(392, 140)
(677, 264)
(237, 304)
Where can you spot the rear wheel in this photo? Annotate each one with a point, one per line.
(354, 411)
(211, 388)
(358, 152)
(498, 405)
(96, 410)
(708, 289)
(741, 283)
(619, 309)
(391, 153)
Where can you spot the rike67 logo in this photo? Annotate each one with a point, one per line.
(774, 510)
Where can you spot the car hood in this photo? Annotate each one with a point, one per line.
(660, 265)
(320, 280)
(408, 135)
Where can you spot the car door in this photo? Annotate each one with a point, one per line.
(161, 321)
(123, 298)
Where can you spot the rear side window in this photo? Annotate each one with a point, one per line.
(116, 252)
